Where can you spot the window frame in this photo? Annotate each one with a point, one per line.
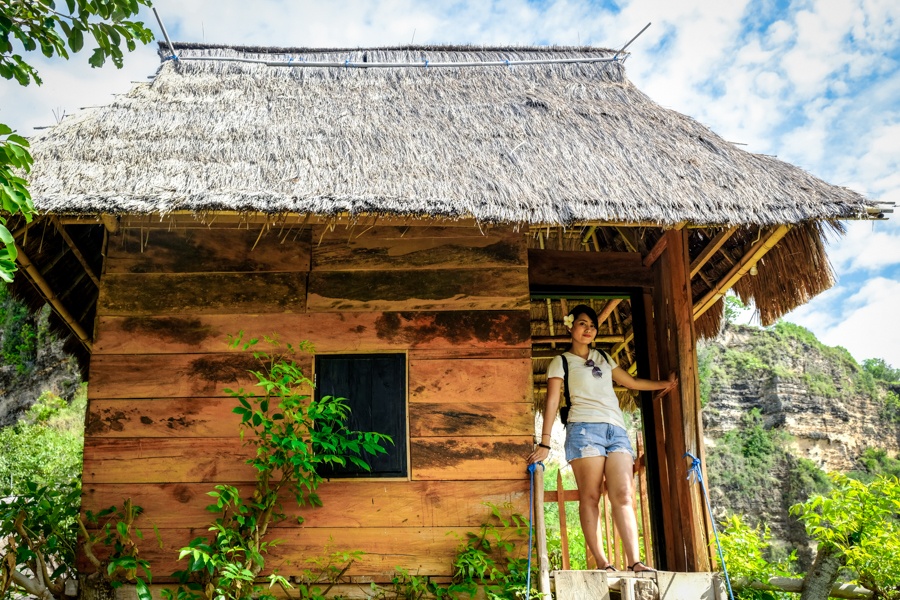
(404, 407)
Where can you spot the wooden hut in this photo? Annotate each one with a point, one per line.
(432, 220)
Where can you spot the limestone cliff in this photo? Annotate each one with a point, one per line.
(774, 397)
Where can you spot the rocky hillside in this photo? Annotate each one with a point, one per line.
(32, 360)
(781, 409)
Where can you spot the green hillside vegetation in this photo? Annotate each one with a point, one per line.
(19, 330)
(45, 447)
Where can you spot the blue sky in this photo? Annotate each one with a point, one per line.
(816, 83)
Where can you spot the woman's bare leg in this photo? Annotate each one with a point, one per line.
(620, 489)
(588, 476)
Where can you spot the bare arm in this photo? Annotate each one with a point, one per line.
(623, 377)
(554, 385)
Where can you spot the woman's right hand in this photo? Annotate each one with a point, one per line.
(540, 454)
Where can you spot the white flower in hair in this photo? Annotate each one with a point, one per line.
(568, 321)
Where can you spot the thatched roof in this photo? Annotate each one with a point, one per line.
(538, 144)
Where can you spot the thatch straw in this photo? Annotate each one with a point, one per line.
(792, 273)
(540, 144)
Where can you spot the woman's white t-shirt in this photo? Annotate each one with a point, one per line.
(593, 399)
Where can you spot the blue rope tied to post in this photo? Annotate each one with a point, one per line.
(531, 468)
(695, 473)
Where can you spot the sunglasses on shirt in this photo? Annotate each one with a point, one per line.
(595, 370)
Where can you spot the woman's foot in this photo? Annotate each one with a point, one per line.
(640, 567)
(609, 567)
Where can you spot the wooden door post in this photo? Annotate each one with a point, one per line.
(681, 426)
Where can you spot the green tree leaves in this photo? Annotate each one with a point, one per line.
(861, 523)
(294, 435)
(41, 25)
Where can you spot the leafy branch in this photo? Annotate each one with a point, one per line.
(39, 25)
(293, 436)
(40, 527)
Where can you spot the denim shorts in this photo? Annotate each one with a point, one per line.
(584, 440)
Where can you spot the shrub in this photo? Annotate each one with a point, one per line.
(745, 549)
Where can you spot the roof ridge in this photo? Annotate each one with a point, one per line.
(400, 48)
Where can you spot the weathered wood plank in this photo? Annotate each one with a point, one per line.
(158, 460)
(581, 585)
(458, 289)
(351, 504)
(422, 550)
(383, 248)
(550, 269)
(130, 294)
(455, 353)
(472, 381)
(206, 251)
(173, 376)
(469, 458)
(468, 417)
(449, 333)
(213, 417)
(164, 417)
(182, 460)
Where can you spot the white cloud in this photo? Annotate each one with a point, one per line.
(817, 82)
(867, 326)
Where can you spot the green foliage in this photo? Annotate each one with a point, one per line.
(293, 435)
(327, 570)
(14, 196)
(741, 361)
(39, 524)
(489, 558)
(733, 308)
(890, 407)
(41, 527)
(741, 462)
(745, 549)
(42, 25)
(114, 528)
(45, 447)
(805, 479)
(880, 370)
(19, 327)
(875, 463)
(820, 384)
(861, 522)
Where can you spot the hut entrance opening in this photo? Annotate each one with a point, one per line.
(623, 335)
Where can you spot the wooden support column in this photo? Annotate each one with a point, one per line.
(682, 429)
(667, 529)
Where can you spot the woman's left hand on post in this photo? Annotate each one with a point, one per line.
(540, 454)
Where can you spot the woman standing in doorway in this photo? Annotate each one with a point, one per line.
(597, 444)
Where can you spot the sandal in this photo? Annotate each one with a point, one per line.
(646, 569)
(611, 568)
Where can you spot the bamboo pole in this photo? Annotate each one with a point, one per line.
(711, 248)
(742, 267)
(607, 310)
(563, 525)
(537, 479)
(35, 275)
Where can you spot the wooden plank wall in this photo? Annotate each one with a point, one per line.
(160, 428)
